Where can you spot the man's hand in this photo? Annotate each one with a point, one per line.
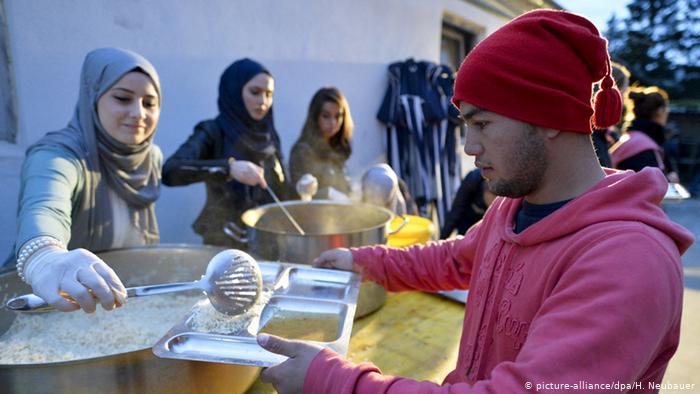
(339, 258)
(287, 377)
(247, 173)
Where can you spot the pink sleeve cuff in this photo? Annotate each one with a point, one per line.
(331, 373)
(366, 258)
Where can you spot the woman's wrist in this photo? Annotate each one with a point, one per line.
(30, 248)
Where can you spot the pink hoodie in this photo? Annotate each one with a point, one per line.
(590, 295)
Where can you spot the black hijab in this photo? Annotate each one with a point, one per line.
(244, 137)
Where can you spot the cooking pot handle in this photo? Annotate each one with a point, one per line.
(235, 233)
(405, 222)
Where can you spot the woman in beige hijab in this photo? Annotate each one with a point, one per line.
(92, 186)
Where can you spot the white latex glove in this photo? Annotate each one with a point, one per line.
(338, 258)
(247, 173)
(336, 195)
(307, 186)
(55, 274)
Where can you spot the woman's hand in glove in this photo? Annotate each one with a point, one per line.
(56, 274)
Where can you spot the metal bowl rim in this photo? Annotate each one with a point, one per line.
(260, 211)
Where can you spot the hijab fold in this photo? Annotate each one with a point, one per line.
(132, 171)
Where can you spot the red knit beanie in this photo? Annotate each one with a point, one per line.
(540, 69)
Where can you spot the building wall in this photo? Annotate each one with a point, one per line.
(305, 44)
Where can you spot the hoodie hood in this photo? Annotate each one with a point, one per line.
(620, 196)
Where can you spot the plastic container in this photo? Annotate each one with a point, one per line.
(418, 230)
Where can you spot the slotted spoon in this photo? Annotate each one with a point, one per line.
(232, 282)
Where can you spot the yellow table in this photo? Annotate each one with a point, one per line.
(414, 334)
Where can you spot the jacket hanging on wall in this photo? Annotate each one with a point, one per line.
(422, 132)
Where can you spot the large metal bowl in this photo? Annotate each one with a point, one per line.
(328, 225)
(131, 372)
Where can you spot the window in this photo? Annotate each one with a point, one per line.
(456, 43)
(8, 112)
(458, 38)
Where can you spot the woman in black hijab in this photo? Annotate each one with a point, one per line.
(237, 154)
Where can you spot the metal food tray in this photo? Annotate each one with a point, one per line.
(294, 289)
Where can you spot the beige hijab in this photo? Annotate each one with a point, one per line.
(132, 171)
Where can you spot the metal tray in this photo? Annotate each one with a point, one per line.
(306, 303)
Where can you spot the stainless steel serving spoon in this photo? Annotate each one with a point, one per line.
(232, 282)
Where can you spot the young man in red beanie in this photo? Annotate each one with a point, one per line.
(574, 272)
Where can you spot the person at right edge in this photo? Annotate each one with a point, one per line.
(642, 144)
(574, 273)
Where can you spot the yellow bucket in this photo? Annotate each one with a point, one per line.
(418, 230)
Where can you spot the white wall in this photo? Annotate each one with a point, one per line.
(305, 44)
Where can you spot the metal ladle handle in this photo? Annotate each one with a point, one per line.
(33, 303)
(289, 216)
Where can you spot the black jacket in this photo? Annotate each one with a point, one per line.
(202, 159)
(468, 206)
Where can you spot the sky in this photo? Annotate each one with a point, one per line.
(598, 11)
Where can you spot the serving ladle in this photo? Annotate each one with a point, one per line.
(232, 281)
(285, 211)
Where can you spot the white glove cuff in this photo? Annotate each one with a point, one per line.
(30, 248)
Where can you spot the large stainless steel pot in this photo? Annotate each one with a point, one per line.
(327, 224)
(132, 372)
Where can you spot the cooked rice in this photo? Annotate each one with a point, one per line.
(206, 319)
(57, 336)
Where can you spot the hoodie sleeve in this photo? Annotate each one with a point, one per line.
(330, 373)
(611, 315)
(443, 265)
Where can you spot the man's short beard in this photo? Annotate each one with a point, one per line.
(530, 164)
